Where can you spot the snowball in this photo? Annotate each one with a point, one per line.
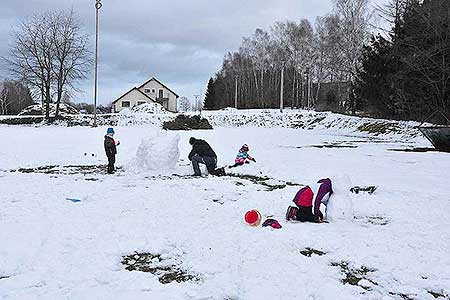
(158, 154)
(340, 205)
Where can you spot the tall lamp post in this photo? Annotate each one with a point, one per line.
(282, 86)
(235, 91)
(98, 5)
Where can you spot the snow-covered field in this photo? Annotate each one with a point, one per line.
(396, 240)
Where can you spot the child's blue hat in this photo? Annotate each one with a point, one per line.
(110, 130)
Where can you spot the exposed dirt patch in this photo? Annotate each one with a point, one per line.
(404, 296)
(167, 270)
(354, 275)
(308, 124)
(374, 220)
(441, 294)
(68, 170)
(338, 145)
(418, 150)
(364, 189)
(268, 183)
(310, 251)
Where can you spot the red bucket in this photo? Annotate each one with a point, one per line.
(252, 217)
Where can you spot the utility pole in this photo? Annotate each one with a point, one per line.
(307, 88)
(236, 91)
(282, 86)
(98, 5)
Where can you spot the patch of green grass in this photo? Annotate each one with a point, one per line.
(353, 275)
(262, 180)
(441, 294)
(403, 296)
(378, 128)
(155, 264)
(67, 170)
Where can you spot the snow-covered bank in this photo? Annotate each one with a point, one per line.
(231, 118)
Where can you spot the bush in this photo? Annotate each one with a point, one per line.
(183, 122)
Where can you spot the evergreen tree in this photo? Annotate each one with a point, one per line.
(210, 97)
(373, 89)
(408, 77)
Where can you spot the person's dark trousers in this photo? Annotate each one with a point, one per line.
(304, 214)
(111, 162)
(210, 163)
(236, 165)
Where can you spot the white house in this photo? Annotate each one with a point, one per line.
(151, 91)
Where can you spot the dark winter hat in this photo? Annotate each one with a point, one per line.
(244, 147)
(192, 140)
(272, 223)
(110, 130)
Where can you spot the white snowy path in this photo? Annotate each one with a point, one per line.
(52, 248)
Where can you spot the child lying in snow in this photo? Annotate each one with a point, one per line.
(243, 157)
(308, 200)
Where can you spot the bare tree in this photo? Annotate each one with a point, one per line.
(71, 59)
(14, 97)
(50, 55)
(355, 16)
(184, 104)
(31, 57)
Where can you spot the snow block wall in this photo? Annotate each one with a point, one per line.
(157, 154)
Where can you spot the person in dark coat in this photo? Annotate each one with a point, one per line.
(202, 153)
(110, 149)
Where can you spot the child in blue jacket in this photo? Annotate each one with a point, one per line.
(243, 157)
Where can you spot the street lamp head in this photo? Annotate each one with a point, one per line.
(98, 4)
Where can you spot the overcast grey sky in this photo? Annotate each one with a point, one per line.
(180, 42)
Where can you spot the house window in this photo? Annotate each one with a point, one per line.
(125, 103)
(147, 91)
(161, 94)
(153, 91)
(141, 102)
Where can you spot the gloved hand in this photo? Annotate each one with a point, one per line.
(254, 160)
(118, 143)
(318, 216)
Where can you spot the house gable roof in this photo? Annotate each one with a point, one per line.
(135, 88)
(154, 79)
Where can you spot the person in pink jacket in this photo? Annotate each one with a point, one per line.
(308, 201)
(243, 157)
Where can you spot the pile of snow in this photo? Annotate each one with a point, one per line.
(157, 154)
(39, 110)
(146, 108)
(149, 108)
(340, 205)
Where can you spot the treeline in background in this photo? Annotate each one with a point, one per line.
(344, 63)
